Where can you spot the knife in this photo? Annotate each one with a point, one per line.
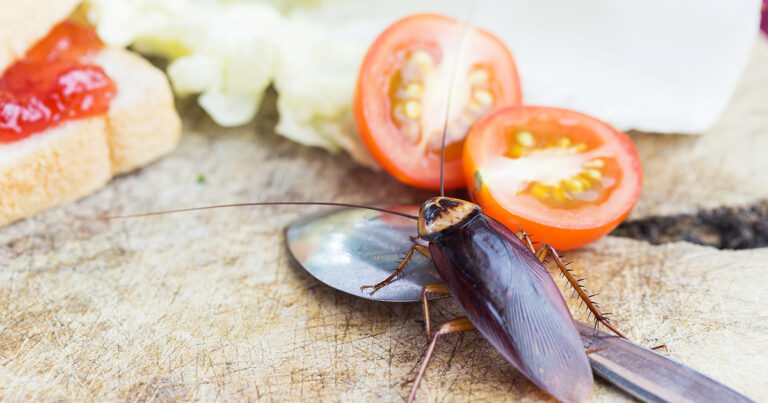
(649, 376)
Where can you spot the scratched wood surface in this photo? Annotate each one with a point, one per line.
(209, 306)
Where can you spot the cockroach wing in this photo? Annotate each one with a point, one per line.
(513, 301)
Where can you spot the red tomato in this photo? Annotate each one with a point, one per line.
(562, 176)
(403, 89)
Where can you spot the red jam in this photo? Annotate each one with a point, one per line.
(52, 83)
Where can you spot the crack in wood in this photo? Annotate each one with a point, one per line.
(724, 227)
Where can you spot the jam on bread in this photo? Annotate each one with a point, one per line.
(54, 82)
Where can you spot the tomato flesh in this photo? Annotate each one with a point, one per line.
(52, 83)
(562, 176)
(404, 86)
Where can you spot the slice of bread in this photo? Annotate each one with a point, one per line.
(142, 122)
(53, 167)
(24, 22)
(75, 158)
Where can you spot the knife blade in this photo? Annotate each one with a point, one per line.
(647, 375)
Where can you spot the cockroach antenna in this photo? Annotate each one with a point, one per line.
(460, 53)
(184, 210)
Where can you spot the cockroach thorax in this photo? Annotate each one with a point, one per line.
(440, 214)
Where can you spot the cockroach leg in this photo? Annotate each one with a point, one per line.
(526, 239)
(417, 247)
(599, 317)
(391, 278)
(423, 250)
(433, 289)
(595, 350)
(452, 326)
(541, 254)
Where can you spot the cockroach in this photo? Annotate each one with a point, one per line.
(500, 282)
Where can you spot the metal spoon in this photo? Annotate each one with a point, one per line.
(349, 247)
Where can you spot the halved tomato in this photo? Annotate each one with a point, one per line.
(564, 177)
(403, 93)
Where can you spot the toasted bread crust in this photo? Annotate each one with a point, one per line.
(64, 164)
(24, 22)
(142, 123)
(75, 158)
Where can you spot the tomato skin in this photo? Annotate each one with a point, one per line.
(561, 238)
(371, 105)
(546, 224)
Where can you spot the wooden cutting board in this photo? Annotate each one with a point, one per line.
(209, 306)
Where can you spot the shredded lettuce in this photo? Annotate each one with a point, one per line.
(224, 50)
(230, 51)
(316, 83)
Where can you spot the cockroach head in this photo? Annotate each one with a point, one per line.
(444, 214)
